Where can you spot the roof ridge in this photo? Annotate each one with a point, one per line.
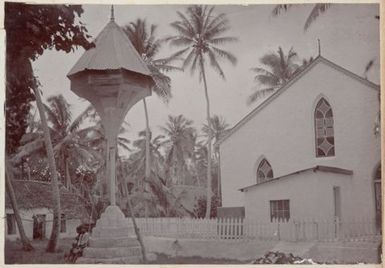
(323, 168)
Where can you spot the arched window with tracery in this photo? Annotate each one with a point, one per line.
(324, 129)
(264, 171)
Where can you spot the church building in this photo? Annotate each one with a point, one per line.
(308, 151)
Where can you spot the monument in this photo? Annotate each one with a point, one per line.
(113, 77)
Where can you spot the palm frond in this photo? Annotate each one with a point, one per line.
(61, 108)
(226, 55)
(28, 149)
(259, 94)
(80, 119)
(222, 40)
(270, 80)
(184, 33)
(278, 9)
(188, 59)
(124, 146)
(180, 52)
(167, 68)
(215, 65)
(317, 10)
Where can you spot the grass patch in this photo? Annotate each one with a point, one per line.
(14, 255)
(166, 259)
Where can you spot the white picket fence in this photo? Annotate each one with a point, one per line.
(241, 229)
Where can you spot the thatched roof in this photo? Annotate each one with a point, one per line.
(36, 194)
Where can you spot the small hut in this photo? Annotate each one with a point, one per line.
(35, 203)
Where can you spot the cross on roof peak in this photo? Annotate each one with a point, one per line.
(112, 18)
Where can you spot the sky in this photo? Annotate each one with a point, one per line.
(349, 36)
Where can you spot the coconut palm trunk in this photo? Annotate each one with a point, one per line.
(137, 231)
(67, 174)
(148, 160)
(26, 243)
(53, 241)
(208, 202)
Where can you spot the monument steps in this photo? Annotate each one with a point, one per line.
(112, 232)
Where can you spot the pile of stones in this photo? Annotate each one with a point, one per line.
(281, 258)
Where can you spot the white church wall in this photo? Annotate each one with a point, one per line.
(283, 131)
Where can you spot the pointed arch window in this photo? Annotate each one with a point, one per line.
(324, 129)
(264, 171)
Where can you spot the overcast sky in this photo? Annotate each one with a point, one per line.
(349, 37)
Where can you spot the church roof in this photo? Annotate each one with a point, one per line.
(113, 51)
(335, 170)
(267, 101)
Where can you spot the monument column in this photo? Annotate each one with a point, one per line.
(113, 77)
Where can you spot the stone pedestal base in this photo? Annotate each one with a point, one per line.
(113, 240)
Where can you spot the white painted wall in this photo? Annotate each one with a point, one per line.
(283, 132)
(314, 187)
(26, 216)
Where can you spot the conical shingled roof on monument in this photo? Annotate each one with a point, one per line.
(113, 51)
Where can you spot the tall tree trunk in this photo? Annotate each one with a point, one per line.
(26, 244)
(208, 204)
(219, 179)
(147, 165)
(53, 241)
(137, 231)
(67, 174)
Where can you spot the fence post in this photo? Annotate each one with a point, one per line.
(337, 228)
(295, 231)
(317, 230)
(278, 231)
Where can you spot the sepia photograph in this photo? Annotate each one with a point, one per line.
(192, 133)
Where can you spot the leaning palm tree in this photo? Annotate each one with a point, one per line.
(199, 34)
(26, 243)
(277, 69)
(148, 45)
(53, 241)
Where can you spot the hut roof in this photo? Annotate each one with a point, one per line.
(35, 194)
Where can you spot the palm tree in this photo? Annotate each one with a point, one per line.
(277, 70)
(68, 145)
(317, 10)
(148, 45)
(68, 148)
(138, 164)
(160, 200)
(53, 241)
(219, 128)
(179, 145)
(26, 243)
(199, 34)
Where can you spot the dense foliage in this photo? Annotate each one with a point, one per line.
(30, 29)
